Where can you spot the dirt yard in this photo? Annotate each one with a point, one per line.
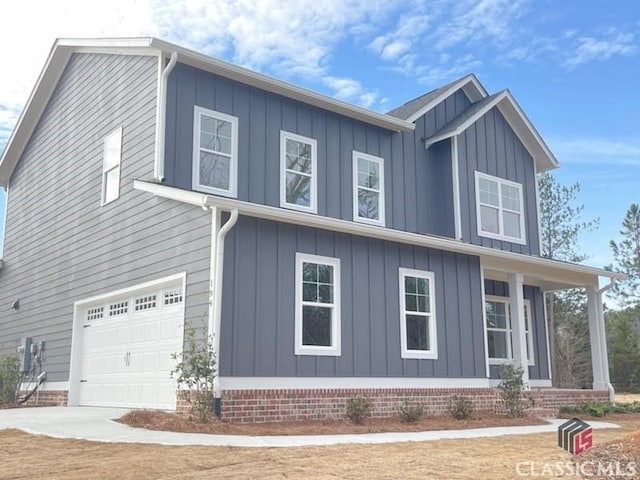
(24, 456)
(627, 397)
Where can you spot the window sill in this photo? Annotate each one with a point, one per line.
(495, 236)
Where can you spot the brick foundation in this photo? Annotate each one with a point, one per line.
(47, 398)
(246, 406)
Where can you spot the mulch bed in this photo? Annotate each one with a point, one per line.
(159, 420)
(617, 459)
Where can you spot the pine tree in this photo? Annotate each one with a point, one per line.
(626, 255)
(560, 228)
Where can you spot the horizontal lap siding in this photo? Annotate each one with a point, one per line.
(258, 305)
(539, 371)
(61, 245)
(490, 146)
(418, 184)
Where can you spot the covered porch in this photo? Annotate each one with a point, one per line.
(516, 324)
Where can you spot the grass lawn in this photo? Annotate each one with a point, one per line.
(24, 456)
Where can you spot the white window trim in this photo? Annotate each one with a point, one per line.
(500, 236)
(233, 167)
(356, 217)
(335, 348)
(509, 330)
(431, 354)
(313, 200)
(103, 199)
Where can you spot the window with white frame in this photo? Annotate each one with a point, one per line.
(317, 326)
(112, 155)
(368, 189)
(298, 165)
(417, 314)
(499, 208)
(215, 152)
(499, 331)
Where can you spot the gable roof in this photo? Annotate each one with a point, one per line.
(515, 117)
(63, 49)
(414, 109)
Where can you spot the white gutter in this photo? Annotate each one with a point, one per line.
(218, 236)
(161, 117)
(521, 261)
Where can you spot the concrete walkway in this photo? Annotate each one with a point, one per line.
(96, 424)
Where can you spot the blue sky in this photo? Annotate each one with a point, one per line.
(572, 65)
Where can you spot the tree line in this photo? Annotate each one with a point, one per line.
(561, 225)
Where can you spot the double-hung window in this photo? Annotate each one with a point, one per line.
(215, 152)
(111, 166)
(499, 208)
(417, 314)
(317, 326)
(499, 330)
(368, 189)
(298, 166)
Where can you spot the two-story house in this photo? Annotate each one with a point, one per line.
(328, 249)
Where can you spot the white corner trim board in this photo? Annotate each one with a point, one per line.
(305, 383)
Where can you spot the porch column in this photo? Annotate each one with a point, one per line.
(518, 328)
(599, 360)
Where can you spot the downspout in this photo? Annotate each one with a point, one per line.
(603, 335)
(161, 119)
(215, 303)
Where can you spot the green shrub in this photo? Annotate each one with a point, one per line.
(194, 373)
(460, 407)
(410, 412)
(9, 378)
(511, 390)
(358, 408)
(594, 409)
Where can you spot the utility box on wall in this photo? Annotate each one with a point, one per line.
(24, 354)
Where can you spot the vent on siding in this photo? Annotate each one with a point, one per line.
(145, 303)
(120, 308)
(95, 313)
(173, 296)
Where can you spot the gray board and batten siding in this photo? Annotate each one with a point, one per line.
(418, 185)
(258, 306)
(491, 146)
(61, 245)
(539, 371)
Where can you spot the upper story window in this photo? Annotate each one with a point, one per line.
(417, 314)
(317, 320)
(499, 330)
(368, 189)
(499, 208)
(215, 152)
(111, 166)
(298, 177)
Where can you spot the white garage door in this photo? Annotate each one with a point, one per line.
(126, 348)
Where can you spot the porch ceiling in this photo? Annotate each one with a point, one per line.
(547, 277)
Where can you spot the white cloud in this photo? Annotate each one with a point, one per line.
(612, 43)
(292, 41)
(597, 151)
(349, 89)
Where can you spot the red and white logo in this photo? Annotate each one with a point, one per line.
(575, 436)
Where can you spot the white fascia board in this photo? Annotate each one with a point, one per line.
(518, 121)
(469, 84)
(47, 82)
(448, 133)
(38, 99)
(493, 259)
(285, 89)
(529, 136)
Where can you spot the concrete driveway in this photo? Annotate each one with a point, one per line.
(92, 423)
